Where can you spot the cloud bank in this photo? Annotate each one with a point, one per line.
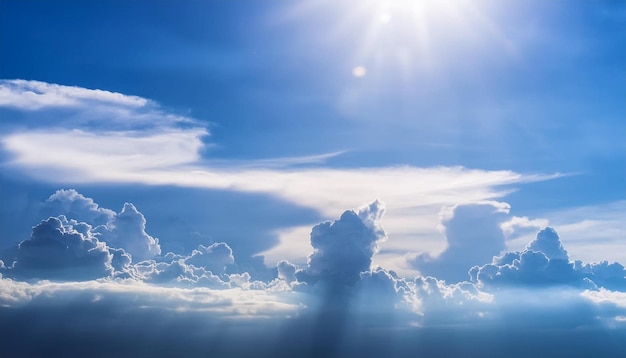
(106, 137)
(329, 306)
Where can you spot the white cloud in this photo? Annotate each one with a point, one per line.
(545, 263)
(74, 205)
(549, 243)
(343, 248)
(593, 233)
(605, 296)
(473, 235)
(51, 105)
(235, 302)
(82, 156)
(127, 230)
(127, 147)
(293, 245)
(519, 226)
(33, 95)
(62, 249)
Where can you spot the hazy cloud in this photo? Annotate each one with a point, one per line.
(473, 235)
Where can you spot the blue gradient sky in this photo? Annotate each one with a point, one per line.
(476, 124)
(523, 86)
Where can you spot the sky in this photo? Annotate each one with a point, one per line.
(312, 178)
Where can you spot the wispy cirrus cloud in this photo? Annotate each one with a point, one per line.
(78, 155)
(34, 95)
(48, 105)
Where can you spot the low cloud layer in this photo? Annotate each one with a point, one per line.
(324, 307)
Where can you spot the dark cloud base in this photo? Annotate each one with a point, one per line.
(98, 330)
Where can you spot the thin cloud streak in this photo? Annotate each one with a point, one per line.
(232, 302)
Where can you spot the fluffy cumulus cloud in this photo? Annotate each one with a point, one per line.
(474, 235)
(286, 271)
(336, 304)
(178, 273)
(72, 204)
(62, 249)
(545, 263)
(205, 266)
(214, 258)
(344, 248)
(68, 249)
(69, 246)
(127, 230)
(548, 243)
(605, 274)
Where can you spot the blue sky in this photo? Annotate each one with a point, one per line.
(313, 161)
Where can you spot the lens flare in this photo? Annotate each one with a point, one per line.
(359, 71)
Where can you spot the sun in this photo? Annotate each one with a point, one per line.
(403, 37)
(420, 34)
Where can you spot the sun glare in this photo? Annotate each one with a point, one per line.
(359, 71)
(418, 36)
(412, 36)
(385, 17)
